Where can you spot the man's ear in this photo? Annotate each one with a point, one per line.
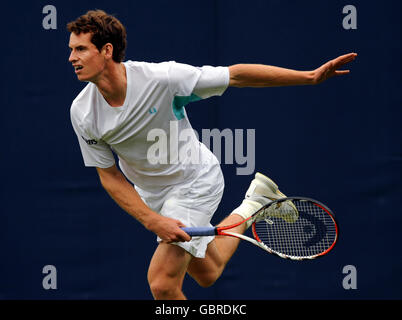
(108, 50)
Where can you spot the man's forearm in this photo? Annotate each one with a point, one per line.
(258, 75)
(129, 200)
(123, 193)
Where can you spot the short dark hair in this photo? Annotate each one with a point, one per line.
(105, 28)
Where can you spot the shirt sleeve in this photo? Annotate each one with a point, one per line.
(204, 82)
(95, 152)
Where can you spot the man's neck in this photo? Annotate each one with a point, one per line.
(112, 84)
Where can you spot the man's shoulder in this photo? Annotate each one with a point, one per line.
(149, 69)
(82, 101)
(148, 64)
(83, 95)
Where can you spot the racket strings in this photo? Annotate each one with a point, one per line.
(312, 234)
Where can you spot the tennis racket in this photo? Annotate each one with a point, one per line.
(294, 228)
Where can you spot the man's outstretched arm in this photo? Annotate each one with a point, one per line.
(257, 75)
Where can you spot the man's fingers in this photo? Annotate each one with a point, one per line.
(186, 237)
(178, 237)
(182, 235)
(348, 56)
(172, 232)
(345, 59)
(330, 68)
(180, 224)
(341, 72)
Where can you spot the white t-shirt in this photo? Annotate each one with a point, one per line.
(150, 133)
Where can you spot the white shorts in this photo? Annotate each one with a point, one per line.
(193, 203)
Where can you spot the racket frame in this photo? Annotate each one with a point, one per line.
(220, 231)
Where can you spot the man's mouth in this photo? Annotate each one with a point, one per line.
(77, 68)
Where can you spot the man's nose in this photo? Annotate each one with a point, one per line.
(72, 57)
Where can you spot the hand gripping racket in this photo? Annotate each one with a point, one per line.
(295, 228)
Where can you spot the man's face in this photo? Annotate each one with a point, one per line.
(86, 59)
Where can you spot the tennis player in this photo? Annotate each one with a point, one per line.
(123, 103)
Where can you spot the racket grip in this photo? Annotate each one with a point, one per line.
(200, 231)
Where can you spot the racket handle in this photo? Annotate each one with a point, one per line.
(200, 231)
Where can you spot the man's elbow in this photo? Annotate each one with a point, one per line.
(108, 176)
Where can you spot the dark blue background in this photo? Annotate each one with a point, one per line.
(339, 142)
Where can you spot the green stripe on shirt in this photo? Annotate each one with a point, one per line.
(180, 102)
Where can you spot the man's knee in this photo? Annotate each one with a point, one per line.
(206, 280)
(207, 270)
(167, 270)
(163, 289)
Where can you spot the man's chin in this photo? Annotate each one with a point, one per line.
(82, 78)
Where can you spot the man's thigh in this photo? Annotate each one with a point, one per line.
(168, 264)
(206, 270)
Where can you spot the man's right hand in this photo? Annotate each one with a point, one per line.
(168, 229)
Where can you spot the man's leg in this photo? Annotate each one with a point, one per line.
(207, 270)
(166, 272)
(170, 263)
